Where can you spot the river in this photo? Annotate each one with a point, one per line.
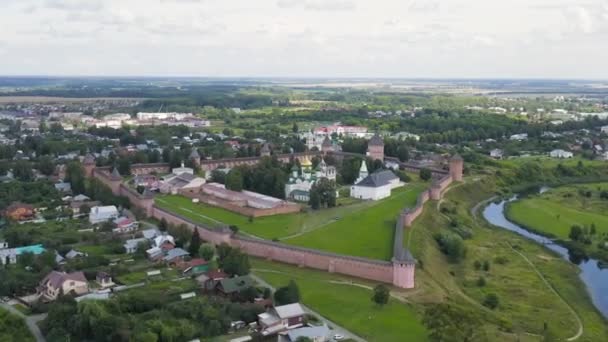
(594, 278)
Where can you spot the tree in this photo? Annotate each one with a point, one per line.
(481, 282)
(46, 166)
(315, 200)
(195, 243)
(323, 193)
(425, 174)
(22, 170)
(234, 180)
(576, 233)
(74, 174)
(381, 294)
(491, 301)
(206, 251)
(295, 128)
(288, 294)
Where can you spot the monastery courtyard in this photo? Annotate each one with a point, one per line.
(360, 228)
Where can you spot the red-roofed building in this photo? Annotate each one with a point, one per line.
(19, 212)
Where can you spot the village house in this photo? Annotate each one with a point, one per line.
(104, 280)
(496, 153)
(61, 283)
(19, 212)
(561, 154)
(281, 318)
(209, 280)
(124, 225)
(229, 287)
(103, 214)
(320, 333)
(176, 256)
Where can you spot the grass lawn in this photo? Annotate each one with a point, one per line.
(366, 233)
(347, 305)
(270, 227)
(555, 211)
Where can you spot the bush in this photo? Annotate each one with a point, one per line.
(481, 282)
(452, 246)
(491, 301)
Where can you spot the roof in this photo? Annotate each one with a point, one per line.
(175, 253)
(403, 255)
(327, 142)
(160, 239)
(89, 159)
(73, 254)
(197, 262)
(80, 198)
(377, 179)
(268, 319)
(376, 140)
(289, 310)
(311, 332)
(56, 279)
(18, 205)
(150, 233)
(216, 274)
(236, 284)
(456, 157)
(194, 154)
(115, 174)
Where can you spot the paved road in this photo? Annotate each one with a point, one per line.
(336, 328)
(31, 321)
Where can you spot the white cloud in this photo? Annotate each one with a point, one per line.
(384, 38)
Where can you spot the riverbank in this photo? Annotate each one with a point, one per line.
(526, 303)
(554, 213)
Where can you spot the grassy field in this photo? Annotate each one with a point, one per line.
(555, 211)
(347, 305)
(526, 303)
(366, 233)
(291, 225)
(13, 328)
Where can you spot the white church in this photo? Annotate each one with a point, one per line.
(299, 184)
(375, 186)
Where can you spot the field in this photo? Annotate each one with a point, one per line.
(555, 211)
(526, 301)
(366, 233)
(347, 305)
(13, 328)
(369, 225)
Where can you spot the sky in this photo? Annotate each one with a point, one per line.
(306, 38)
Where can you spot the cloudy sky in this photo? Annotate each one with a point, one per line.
(306, 38)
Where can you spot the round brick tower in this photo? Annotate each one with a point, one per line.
(375, 148)
(456, 167)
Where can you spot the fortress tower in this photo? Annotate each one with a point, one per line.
(89, 165)
(265, 151)
(404, 268)
(375, 148)
(327, 146)
(456, 167)
(195, 157)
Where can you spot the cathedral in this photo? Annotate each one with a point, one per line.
(302, 179)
